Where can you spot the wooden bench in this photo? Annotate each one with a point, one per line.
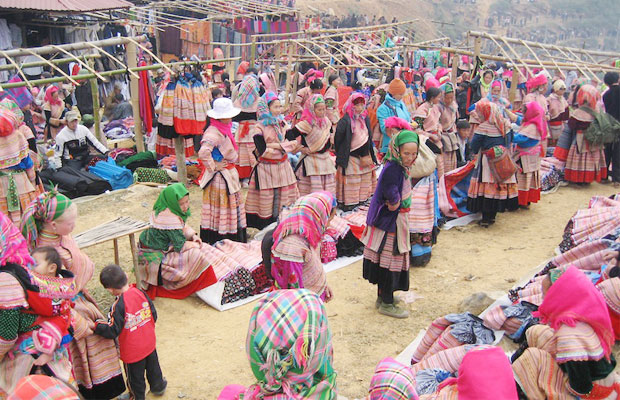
(113, 230)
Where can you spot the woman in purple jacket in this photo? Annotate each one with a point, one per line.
(386, 237)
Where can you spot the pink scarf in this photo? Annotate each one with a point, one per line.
(226, 130)
(358, 121)
(534, 115)
(309, 115)
(14, 246)
(48, 96)
(484, 374)
(573, 298)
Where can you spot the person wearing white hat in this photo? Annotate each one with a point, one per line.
(223, 210)
(73, 141)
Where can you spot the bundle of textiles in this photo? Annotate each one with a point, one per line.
(121, 154)
(119, 129)
(119, 177)
(73, 182)
(595, 222)
(170, 162)
(146, 159)
(152, 175)
(551, 173)
(452, 191)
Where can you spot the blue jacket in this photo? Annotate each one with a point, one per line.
(390, 108)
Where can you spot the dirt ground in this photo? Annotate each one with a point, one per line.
(201, 350)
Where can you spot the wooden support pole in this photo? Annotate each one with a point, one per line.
(179, 151)
(455, 66)
(57, 61)
(94, 88)
(512, 94)
(289, 76)
(253, 52)
(132, 62)
(477, 44)
(276, 73)
(230, 65)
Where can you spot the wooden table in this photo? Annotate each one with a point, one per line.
(113, 230)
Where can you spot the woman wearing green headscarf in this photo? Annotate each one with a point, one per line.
(386, 237)
(172, 259)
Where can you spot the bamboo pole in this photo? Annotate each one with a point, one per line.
(513, 85)
(94, 89)
(278, 55)
(119, 62)
(82, 63)
(53, 66)
(132, 61)
(253, 52)
(455, 66)
(477, 44)
(289, 75)
(131, 41)
(179, 152)
(57, 61)
(70, 47)
(19, 70)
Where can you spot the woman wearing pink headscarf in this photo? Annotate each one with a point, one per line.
(355, 157)
(570, 356)
(585, 162)
(54, 111)
(529, 153)
(536, 90)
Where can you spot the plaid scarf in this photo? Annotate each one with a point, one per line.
(392, 381)
(14, 246)
(487, 111)
(264, 114)
(47, 207)
(249, 89)
(402, 137)
(307, 217)
(289, 347)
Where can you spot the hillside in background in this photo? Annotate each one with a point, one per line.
(575, 23)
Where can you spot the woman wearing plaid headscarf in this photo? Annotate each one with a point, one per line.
(316, 169)
(49, 221)
(290, 350)
(585, 162)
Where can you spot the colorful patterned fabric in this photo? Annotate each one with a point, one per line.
(289, 347)
(573, 299)
(487, 111)
(248, 90)
(264, 115)
(535, 115)
(392, 381)
(42, 387)
(14, 246)
(46, 207)
(169, 199)
(588, 96)
(307, 217)
(154, 175)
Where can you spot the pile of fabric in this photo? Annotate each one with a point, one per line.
(119, 129)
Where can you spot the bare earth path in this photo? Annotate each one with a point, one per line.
(201, 350)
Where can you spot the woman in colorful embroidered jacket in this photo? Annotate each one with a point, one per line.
(529, 152)
(223, 211)
(54, 110)
(290, 350)
(246, 97)
(49, 221)
(273, 184)
(332, 101)
(355, 156)
(585, 162)
(171, 262)
(427, 116)
(34, 313)
(386, 237)
(296, 250)
(558, 111)
(316, 170)
(17, 174)
(449, 114)
(485, 194)
(571, 355)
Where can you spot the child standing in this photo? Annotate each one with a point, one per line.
(132, 320)
(386, 237)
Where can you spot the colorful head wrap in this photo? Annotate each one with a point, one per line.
(9, 104)
(13, 246)
(535, 82)
(392, 381)
(402, 137)
(309, 115)
(588, 96)
(396, 122)
(243, 67)
(484, 374)
(169, 199)
(487, 111)
(48, 95)
(264, 114)
(289, 347)
(431, 83)
(312, 74)
(441, 72)
(496, 83)
(8, 122)
(249, 90)
(348, 106)
(535, 115)
(307, 217)
(574, 298)
(447, 87)
(47, 207)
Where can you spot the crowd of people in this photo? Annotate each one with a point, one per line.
(292, 165)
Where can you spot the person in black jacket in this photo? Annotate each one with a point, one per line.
(355, 156)
(611, 99)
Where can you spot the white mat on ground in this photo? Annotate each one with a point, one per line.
(212, 295)
(405, 356)
(462, 221)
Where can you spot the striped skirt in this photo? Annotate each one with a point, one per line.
(449, 160)
(585, 167)
(528, 185)
(263, 206)
(315, 183)
(246, 159)
(26, 192)
(165, 147)
(490, 196)
(96, 363)
(448, 360)
(223, 214)
(356, 186)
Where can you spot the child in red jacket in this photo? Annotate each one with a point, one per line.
(132, 320)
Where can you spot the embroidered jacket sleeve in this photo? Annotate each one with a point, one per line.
(208, 143)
